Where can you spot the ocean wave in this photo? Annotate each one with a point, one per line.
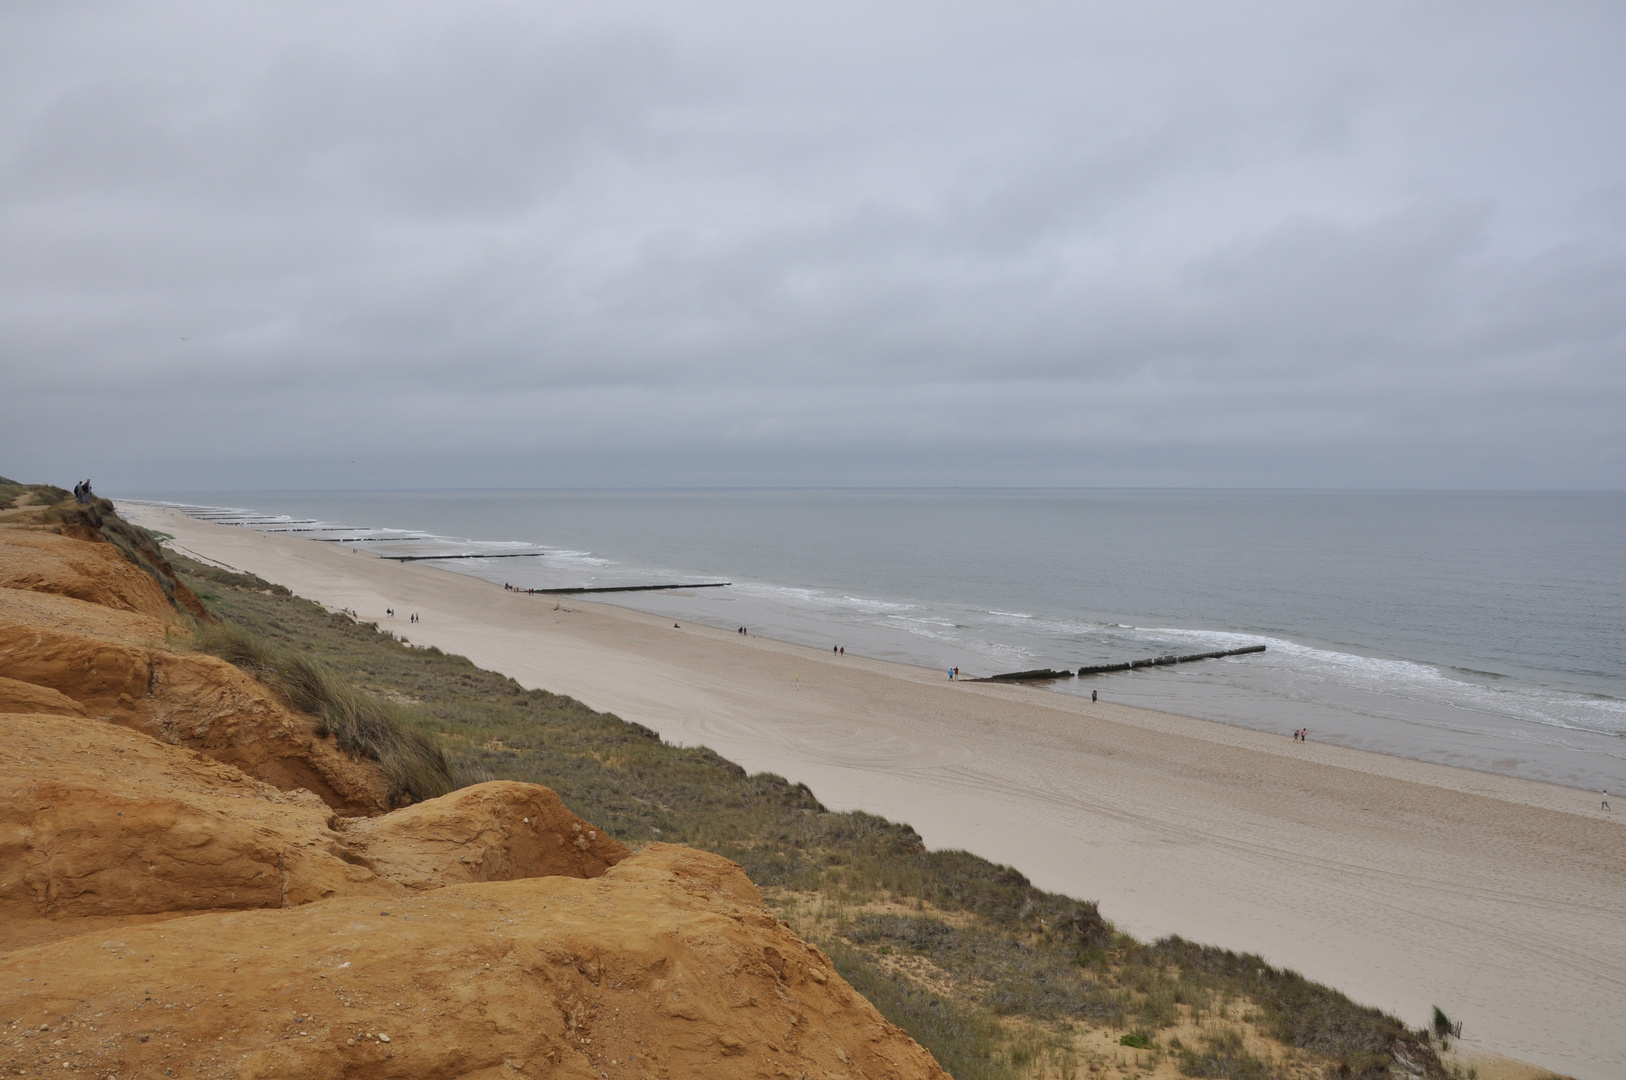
(819, 599)
(1413, 680)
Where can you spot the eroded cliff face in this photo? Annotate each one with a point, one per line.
(85, 633)
(97, 821)
(191, 884)
(40, 560)
(666, 965)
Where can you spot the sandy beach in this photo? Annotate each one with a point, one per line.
(1402, 883)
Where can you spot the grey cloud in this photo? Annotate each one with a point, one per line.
(714, 243)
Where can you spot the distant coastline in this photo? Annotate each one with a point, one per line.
(1422, 710)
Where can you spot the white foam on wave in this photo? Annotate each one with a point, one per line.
(818, 599)
(1421, 682)
(423, 545)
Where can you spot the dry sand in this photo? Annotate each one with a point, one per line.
(1402, 883)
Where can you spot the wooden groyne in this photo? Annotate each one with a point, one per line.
(1047, 674)
(1164, 661)
(436, 558)
(1036, 675)
(628, 588)
(574, 591)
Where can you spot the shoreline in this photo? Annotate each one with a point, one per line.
(1403, 883)
(1532, 725)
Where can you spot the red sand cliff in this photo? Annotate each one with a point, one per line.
(193, 882)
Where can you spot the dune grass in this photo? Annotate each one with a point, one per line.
(410, 758)
(13, 491)
(999, 979)
(964, 1042)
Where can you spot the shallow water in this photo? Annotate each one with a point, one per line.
(1481, 630)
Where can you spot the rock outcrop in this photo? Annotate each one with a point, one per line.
(488, 832)
(97, 821)
(666, 966)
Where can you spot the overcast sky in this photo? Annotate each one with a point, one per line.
(468, 245)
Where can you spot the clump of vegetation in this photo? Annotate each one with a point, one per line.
(14, 493)
(997, 978)
(1294, 1010)
(410, 758)
(201, 572)
(1033, 975)
(1223, 1054)
(964, 1042)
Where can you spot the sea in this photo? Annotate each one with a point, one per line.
(1480, 630)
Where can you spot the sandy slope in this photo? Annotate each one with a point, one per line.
(1403, 883)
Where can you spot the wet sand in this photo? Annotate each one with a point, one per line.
(1402, 883)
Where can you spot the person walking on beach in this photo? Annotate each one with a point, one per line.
(1092, 696)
